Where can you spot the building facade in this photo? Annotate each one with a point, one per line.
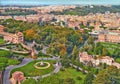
(84, 58)
(109, 37)
(14, 38)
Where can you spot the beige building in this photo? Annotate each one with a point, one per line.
(14, 38)
(84, 58)
(109, 37)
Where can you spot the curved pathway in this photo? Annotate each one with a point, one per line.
(23, 52)
(24, 62)
(10, 68)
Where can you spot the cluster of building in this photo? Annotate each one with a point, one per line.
(30, 18)
(86, 58)
(108, 20)
(48, 9)
(98, 20)
(13, 38)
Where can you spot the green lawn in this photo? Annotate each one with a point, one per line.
(111, 45)
(71, 73)
(118, 60)
(60, 78)
(29, 70)
(4, 53)
(1, 41)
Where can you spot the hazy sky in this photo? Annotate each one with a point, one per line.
(56, 2)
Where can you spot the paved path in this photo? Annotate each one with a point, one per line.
(24, 62)
(2, 48)
(10, 68)
(23, 52)
(79, 68)
(56, 70)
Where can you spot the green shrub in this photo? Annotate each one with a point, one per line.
(79, 78)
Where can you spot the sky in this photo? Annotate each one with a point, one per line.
(58, 2)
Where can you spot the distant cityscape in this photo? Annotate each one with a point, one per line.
(60, 44)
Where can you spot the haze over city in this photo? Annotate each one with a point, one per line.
(58, 2)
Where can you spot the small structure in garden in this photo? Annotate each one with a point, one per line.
(17, 77)
(42, 65)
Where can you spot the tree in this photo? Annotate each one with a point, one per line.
(88, 79)
(110, 75)
(104, 52)
(90, 40)
(69, 81)
(74, 53)
(65, 61)
(102, 78)
(29, 34)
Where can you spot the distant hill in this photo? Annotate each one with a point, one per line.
(89, 9)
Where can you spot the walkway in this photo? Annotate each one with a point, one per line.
(23, 52)
(10, 68)
(24, 62)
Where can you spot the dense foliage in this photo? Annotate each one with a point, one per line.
(111, 75)
(60, 40)
(102, 48)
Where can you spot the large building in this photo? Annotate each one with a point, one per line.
(14, 38)
(84, 57)
(109, 37)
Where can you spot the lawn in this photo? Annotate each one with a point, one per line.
(29, 70)
(117, 60)
(111, 47)
(71, 73)
(4, 53)
(60, 78)
(64, 77)
(1, 41)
